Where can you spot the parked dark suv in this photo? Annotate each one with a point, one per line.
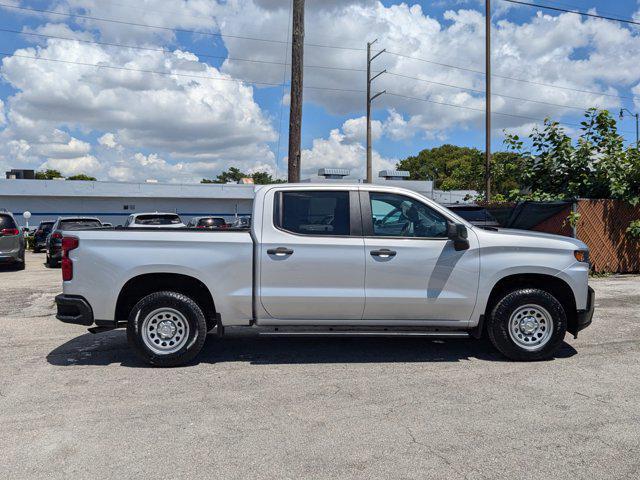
(54, 240)
(475, 215)
(12, 242)
(40, 236)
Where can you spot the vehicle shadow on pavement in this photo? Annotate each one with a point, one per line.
(111, 347)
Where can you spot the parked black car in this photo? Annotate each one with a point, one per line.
(209, 223)
(54, 240)
(40, 236)
(475, 215)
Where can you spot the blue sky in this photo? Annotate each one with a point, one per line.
(179, 102)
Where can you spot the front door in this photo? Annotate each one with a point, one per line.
(312, 256)
(413, 271)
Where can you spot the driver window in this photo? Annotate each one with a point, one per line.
(399, 216)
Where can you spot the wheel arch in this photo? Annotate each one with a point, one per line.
(142, 285)
(557, 287)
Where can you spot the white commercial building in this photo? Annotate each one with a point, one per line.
(113, 202)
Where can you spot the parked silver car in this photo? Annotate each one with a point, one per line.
(12, 241)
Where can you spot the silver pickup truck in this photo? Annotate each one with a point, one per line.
(329, 259)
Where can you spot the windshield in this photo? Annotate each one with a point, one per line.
(78, 224)
(46, 226)
(158, 220)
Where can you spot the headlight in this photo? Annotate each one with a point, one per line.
(581, 255)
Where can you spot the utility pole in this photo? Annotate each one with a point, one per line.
(295, 110)
(487, 153)
(369, 100)
(637, 117)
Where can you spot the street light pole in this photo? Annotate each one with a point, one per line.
(637, 116)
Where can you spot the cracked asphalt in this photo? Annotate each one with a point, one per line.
(76, 405)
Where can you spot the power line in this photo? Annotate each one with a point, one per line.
(156, 72)
(578, 7)
(483, 92)
(170, 29)
(513, 115)
(270, 62)
(515, 79)
(575, 12)
(310, 87)
(167, 51)
(235, 80)
(220, 35)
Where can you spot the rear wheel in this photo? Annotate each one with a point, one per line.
(51, 263)
(166, 329)
(20, 265)
(527, 324)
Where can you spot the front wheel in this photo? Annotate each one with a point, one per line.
(527, 324)
(166, 329)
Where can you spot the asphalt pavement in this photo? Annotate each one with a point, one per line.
(77, 405)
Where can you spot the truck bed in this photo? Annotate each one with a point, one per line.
(209, 255)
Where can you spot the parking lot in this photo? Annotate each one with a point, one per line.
(76, 405)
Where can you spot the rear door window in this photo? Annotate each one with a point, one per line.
(314, 213)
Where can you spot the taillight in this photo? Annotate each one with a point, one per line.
(8, 232)
(57, 235)
(68, 244)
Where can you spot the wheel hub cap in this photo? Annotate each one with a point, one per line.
(167, 329)
(530, 327)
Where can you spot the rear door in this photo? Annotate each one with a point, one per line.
(413, 271)
(312, 255)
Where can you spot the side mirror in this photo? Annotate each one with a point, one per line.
(458, 233)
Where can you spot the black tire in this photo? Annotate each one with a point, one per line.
(498, 326)
(193, 341)
(51, 263)
(20, 265)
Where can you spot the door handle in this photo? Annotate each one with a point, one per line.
(280, 251)
(383, 253)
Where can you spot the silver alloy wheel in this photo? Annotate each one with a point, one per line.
(165, 331)
(530, 327)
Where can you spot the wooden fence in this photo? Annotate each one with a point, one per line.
(602, 226)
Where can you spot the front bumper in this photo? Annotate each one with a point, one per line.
(74, 309)
(584, 317)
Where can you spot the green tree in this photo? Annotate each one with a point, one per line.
(48, 174)
(462, 168)
(234, 175)
(82, 176)
(597, 166)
